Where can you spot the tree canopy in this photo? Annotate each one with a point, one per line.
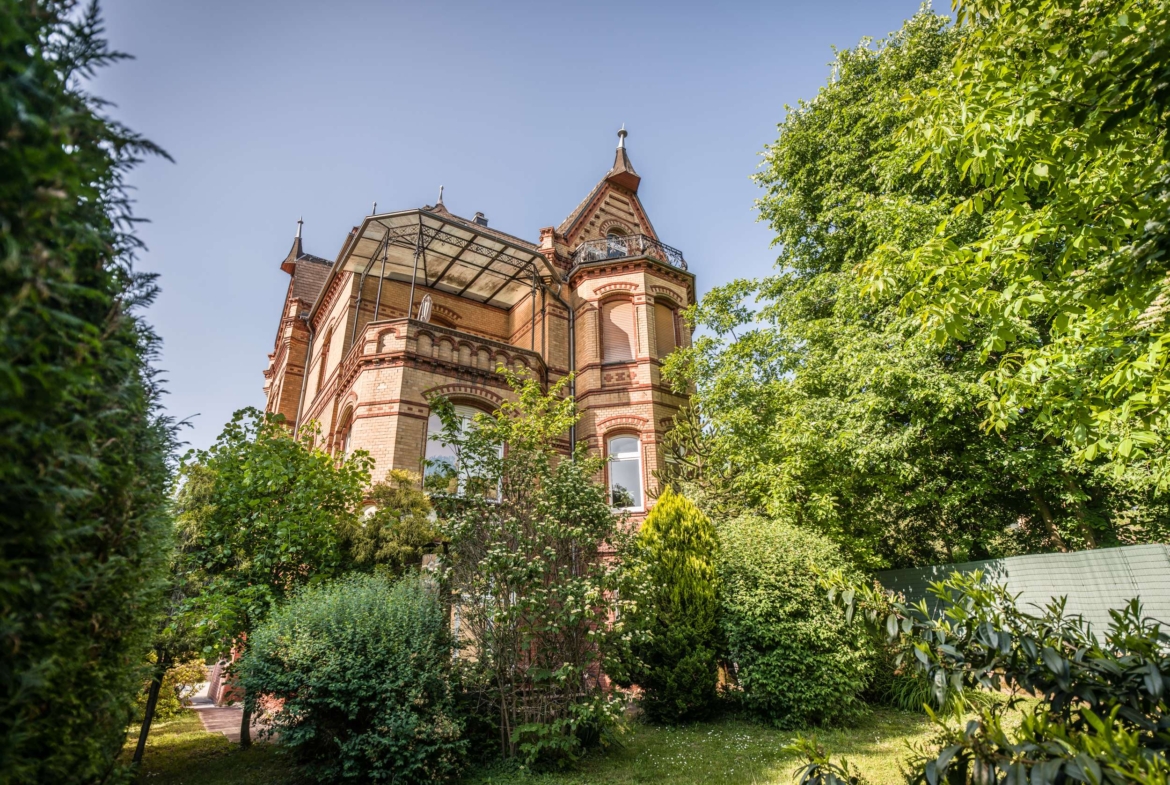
(1054, 115)
(823, 403)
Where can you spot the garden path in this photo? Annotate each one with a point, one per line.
(223, 719)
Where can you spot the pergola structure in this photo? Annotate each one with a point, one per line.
(431, 248)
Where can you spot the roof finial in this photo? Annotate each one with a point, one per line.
(440, 195)
(622, 134)
(374, 209)
(300, 223)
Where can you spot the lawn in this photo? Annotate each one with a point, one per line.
(725, 751)
(180, 752)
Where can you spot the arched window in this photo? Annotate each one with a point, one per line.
(618, 336)
(347, 433)
(440, 457)
(625, 472)
(665, 329)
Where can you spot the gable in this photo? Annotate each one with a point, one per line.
(609, 207)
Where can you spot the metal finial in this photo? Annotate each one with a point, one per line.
(440, 194)
(374, 209)
(300, 223)
(622, 134)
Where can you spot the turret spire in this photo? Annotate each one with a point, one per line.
(623, 172)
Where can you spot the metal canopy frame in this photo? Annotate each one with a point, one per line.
(461, 259)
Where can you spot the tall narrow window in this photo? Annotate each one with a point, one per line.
(347, 434)
(323, 358)
(665, 329)
(625, 472)
(617, 332)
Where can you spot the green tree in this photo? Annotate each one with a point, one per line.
(399, 531)
(529, 531)
(271, 521)
(84, 449)
(1055, 114)
(675, 582)
(820, 402)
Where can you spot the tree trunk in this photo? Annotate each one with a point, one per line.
(1079, 510)
(246, 724)
(1046, 514)
(156, 681)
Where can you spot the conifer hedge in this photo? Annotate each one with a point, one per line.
(83, 448)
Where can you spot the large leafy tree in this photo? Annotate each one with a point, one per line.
(266, 515)
(83, 448)
(1055, 116)
(822, 404)
(536, 611)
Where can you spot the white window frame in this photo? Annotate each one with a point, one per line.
(612, 457)
(466, 415)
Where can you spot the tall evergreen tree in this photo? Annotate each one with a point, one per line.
(677, 657)
(83, 448)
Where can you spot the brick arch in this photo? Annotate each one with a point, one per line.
(621, 422)
(467, 392)
(612, 223)
(667, 296)
(617, 287)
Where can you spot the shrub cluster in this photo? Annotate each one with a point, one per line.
(360, 668)
(797, 660)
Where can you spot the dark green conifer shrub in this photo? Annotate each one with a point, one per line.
(677, 657)
(797, 660)
(83, 448)
(361, 669)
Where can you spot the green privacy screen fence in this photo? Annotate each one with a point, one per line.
(1093, 581)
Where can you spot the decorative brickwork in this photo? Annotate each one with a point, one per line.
(351, 355)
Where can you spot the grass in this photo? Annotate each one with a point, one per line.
(729, 751)
(734, 752)
(181, 752)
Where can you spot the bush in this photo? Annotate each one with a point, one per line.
(677, 662)
(798, 661)
(83, 448)
(360, 668)
(1103, 708)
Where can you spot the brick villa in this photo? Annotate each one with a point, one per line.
(421, 302)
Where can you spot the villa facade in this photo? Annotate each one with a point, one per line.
(422, 302)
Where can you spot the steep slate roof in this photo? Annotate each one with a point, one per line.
(309, 276)
(621, 173)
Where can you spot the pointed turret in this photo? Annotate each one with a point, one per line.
(612, 206)
(623, 172)
(294, 253)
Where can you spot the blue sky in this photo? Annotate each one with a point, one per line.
(274, 110)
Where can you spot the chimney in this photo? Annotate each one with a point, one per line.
(479, 219)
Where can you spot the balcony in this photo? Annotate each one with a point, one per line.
(626, 247)
(452, 352)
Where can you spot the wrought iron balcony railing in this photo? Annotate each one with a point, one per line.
(621, 247)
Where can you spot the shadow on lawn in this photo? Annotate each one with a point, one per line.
(729, 751)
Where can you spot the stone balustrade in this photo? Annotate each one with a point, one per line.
(464, 354)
